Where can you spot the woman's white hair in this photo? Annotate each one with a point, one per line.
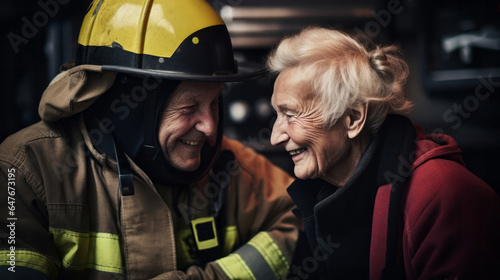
(341, 73)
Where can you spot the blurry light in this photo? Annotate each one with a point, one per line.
(263, 108)
(227, 13)
(239, 111)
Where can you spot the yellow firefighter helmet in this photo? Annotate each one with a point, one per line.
(176, 39)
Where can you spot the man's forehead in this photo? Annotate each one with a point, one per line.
(189, 90)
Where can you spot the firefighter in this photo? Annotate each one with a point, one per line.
(128, 174)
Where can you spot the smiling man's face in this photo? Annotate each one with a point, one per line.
(189, 119)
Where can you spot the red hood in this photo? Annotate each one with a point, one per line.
(431, 146)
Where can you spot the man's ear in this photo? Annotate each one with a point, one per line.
(356, 120)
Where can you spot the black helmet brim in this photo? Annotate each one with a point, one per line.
(245, 73)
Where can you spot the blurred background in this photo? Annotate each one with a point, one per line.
(453, 50)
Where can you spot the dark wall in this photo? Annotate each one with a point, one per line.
(35, 38)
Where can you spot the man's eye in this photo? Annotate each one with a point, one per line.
(188, 109)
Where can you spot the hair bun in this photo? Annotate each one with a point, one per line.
(380, 63)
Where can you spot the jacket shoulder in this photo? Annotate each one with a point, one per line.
(13, 148)
(36, 151)
(446, 204)
(444, 195)
(447, 180)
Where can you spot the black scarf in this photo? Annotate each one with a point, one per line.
(338, 221)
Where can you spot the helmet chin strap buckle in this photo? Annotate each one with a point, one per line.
(124, 171)
(126, 184)
(205, 233)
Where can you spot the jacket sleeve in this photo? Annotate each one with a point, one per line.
(26, 247)
(264, 219)
(453, 225)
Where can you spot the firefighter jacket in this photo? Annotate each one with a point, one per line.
(63, 216)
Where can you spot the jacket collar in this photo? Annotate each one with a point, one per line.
(107, 161)
(73, 91)
(431, 146)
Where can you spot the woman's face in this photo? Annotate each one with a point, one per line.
(316, 152)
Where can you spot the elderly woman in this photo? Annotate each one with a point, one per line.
(379, 198)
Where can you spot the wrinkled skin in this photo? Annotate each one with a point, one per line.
(317, 152)
(188, 120)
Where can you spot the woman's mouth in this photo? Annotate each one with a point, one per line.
(296, 152)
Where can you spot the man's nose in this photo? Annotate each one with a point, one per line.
(208, 123)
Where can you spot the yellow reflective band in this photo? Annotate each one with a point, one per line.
(31, 260)
(235, 268)
(260, 258)
(230, 240)
(271, 252)
(184, 245)
(95, 250)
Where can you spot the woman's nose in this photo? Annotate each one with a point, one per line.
(278, 135)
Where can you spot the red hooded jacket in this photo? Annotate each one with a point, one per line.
(451, 218)
(443, 222)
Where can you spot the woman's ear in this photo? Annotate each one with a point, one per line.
(356, 120)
